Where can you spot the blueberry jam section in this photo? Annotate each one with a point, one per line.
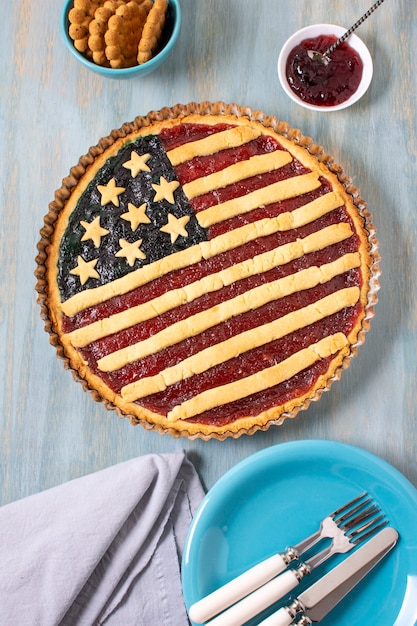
(138, 190)
(319, 84)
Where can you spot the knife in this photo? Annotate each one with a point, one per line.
(322, 597)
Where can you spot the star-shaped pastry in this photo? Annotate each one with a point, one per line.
(176, 226)
(93, 231)
(165, 190)
(110, 193)
(136, 215)
(130, 251)
(137, 163)
(85, 269)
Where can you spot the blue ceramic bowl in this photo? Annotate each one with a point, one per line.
(170, 36)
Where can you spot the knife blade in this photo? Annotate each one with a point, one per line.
(323, 596)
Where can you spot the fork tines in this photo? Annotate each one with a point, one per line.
(362, 520)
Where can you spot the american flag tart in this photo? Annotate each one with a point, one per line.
(207, 271)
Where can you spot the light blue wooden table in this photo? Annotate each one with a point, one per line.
(52, 110)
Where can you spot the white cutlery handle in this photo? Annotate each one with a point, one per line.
(236, 589)
(279, 618)
(257, 601)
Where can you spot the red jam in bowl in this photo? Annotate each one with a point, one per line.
(319, 84)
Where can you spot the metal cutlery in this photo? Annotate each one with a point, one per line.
(349, 535)
(324, 57)
(322, 597)
(341, 526)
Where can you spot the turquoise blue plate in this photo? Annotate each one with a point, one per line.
(276, 497)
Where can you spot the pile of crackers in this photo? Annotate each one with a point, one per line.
(117, 33)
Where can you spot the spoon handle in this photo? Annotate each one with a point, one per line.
(354, 27)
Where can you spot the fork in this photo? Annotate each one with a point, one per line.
(275, 589)
(262, 581)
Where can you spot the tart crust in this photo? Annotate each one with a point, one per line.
(341, 349)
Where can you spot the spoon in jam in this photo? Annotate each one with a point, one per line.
(324, 57)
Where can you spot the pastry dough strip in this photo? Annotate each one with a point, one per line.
(205, 250)
(245, 341)
(213, 143)
(261, 380)
(282, 190)
(199, 322)
(208, 284)
(258, 164)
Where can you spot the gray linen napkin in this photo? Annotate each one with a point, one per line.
(102, 549)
